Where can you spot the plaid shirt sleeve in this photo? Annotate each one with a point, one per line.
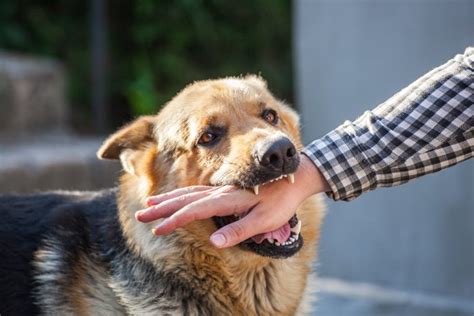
(424, 128)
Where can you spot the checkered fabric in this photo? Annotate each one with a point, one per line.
(425, 127)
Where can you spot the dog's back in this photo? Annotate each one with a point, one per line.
(26, 221)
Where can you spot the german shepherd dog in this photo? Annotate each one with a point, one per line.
(83, 253)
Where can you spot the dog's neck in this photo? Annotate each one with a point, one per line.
(251, 284)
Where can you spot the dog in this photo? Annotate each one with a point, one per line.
(83, 253)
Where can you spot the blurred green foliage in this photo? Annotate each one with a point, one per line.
(155, 47)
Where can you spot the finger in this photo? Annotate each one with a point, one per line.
(215, 205)
(153, 200)
(238, 231)
(167, 207)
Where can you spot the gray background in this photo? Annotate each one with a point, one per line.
(349, 57)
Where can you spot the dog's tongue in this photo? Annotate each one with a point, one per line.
(281, 235)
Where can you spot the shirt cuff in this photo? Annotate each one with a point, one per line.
(342, 163)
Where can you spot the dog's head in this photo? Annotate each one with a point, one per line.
(227, 131)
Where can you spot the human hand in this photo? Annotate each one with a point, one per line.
(182, 206)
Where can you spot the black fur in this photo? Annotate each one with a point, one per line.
(80, 223)
(25, 222)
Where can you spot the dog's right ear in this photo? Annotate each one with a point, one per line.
(125, 144)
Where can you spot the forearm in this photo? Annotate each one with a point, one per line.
(423, 128)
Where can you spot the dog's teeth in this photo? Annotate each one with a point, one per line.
(291, 178)
(292, 239)
(255, 189)
(297, 228)
(277, 243)
(271, 240)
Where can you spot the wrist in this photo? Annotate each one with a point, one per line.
(309, 178)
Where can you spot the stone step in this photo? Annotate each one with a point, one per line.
(55, 162)
(31, 95)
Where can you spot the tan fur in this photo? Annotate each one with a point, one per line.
(162, 156)
(89, 278)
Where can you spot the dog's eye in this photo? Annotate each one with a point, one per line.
(212, 135)
(270, 116)
(207, 138)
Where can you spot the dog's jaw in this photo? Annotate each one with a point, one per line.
(265, 245)
(189, 247)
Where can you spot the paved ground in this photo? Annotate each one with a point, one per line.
(340, 298)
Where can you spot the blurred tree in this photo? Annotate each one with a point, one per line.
(155, 47)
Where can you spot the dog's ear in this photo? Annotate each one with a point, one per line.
(125, 144)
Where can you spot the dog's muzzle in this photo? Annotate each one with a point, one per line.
(275, 159)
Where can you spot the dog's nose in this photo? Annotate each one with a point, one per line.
(278, 154)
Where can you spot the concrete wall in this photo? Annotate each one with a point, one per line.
(37, 150)
(32, 96)
(349, 57)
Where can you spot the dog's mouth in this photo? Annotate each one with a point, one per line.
(283, 242)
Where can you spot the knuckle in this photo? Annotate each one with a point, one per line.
(214, 197)
(186, 215)
(182, 199)
(190, 189)
(237, 230)
(177, 219)
(151, 211)
(227, 189)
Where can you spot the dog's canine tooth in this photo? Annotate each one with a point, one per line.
(271, 240)
(291, 178)
(255, 189)
(297, 228)
(277, 243)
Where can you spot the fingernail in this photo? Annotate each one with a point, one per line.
(152, 200)
(137, 214)
(218, 240)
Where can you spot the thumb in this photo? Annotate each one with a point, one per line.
(236, 232)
